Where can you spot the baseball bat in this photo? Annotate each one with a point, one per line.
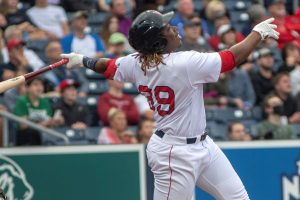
(14, 82)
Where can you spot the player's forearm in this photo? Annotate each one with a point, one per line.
(97, 65)
(242, 50)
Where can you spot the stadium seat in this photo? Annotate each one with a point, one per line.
(92, 134)
(130, 88)
(98, 87)
(296, 129)
(239, 16)
(90, 74)
(217, 131)
(231, 114)
(97, 18)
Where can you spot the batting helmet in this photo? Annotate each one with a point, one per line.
(145, 34)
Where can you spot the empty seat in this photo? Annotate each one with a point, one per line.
(238, 16)
(296, 129)
(92, 134)
(97, 87)
(130, 88)
(217, 131)
(231, 114)
(90, 74)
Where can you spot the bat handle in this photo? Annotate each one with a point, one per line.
(59, 63)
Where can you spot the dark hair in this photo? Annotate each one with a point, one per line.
(105, 34)
(267, 98)
(139, 127)
(285, 48)
(150, 60)
(278, 77)
(230, 126)
(29, 82)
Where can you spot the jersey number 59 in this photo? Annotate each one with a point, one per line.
(169, 100)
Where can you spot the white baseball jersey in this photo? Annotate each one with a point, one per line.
(174, 90)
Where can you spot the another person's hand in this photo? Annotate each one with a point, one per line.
(223, 101)
(239, 103)
(295, 118)
(267, 29)
(75, 60)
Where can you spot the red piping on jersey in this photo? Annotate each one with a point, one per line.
(228, 61)
(111, 69)
(171, 171)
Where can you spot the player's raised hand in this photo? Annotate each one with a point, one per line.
(267, 29)
(75, 60)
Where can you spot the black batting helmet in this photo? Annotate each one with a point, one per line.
(145, 34)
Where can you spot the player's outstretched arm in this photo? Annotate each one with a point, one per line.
(260, 32)
(78, 60)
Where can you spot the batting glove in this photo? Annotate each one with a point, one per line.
(267, 29)
(75, 60)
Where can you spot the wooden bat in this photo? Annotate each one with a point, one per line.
(14, 82)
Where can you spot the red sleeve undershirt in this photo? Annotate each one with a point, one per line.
(111, 69)
(228, 61)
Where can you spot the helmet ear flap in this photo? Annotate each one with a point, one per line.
(160, 45)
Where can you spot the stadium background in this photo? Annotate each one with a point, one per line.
(264, 165)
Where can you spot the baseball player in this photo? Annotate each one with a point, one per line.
(180, 153)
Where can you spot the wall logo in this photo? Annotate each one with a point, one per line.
(291, 186)
(13, 180)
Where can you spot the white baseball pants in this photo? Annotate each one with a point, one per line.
(179, 167)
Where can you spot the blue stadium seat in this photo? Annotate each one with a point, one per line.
(239, 16)
(130, 88)
(231, 114)
(90, 74)
(97, 18)
(98, 87)
(217, 131)
(296, 129)
(92, 134)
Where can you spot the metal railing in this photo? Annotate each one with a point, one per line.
(8, 116)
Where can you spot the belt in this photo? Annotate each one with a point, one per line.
(192, 140)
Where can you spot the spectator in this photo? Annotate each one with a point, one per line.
(114, 134)
(185, 9)
(283, 89)
(3, 22)
(73, 6)
(105, 5)
(53, 51)
(262, 79)
(227, 36)
(110, 26)
(78, 41)
(288, 26)
(2, 48)
(16, 16)
(52, 19)
(216, 15)
(143, 107)
(11, 96)
(220, 20)
(193, 38)
(18, 61)
(290, 56)
(233, 89)
(274, 126)
(295, 82)
(159, 5)
(257, 13)
(34, 108)
(116, 46)
(74, 114)
(145, 130)
(117, 99)
(119, 10)
(237, 132)
(14, 32)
